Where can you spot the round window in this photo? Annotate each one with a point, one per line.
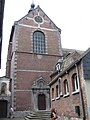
(38, 19)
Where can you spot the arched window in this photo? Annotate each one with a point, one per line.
(57, 92)
(66, 89)
(52, 93)
(75, 82)
(39, 42)
(59, 86)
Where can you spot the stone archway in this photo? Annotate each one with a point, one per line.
(3, 108)
(41, 102)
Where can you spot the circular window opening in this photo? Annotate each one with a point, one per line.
(38, 19)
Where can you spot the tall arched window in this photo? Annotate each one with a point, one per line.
(66, 89)
(75, 82)
(38, 42)
(57, 92)
(52, 93)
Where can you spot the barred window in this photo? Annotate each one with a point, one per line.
(38, 42)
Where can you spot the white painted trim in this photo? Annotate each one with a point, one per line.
(58, 97)
(53, 99)
(23, 25)
(74, 92)
(22, 90)
(66, 95)
(19, 70)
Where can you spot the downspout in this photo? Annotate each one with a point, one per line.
(81, 95)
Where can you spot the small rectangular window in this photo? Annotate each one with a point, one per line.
(77, 110)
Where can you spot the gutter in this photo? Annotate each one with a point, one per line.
(81, 95)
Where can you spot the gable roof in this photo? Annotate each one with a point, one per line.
(39, 9)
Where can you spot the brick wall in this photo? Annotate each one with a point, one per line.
(26, 66)
(66, 105)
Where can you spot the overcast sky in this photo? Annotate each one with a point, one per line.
(71, 16)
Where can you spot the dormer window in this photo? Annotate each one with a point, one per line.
(58, 67)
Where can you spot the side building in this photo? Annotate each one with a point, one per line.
(5, 97)
(70, 86)
(2, 2)
(34, 48)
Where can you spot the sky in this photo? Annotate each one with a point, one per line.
(71, 16)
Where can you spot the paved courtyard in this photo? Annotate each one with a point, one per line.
(11, 118)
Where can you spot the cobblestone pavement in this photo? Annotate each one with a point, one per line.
(12, 119)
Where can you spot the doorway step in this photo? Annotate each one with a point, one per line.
(38, 115)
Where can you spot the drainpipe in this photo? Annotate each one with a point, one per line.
(81, 95)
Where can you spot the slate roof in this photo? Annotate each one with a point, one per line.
(75, 57)
(67, 51)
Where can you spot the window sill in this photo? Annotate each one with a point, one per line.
(53, 99)
(75, 92)
(57, 97)
(66, 95)
(61, 94)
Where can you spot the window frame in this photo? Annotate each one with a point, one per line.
(58, 67)
(66, 88)
(57, 91)
(75, 83)
(52, 97)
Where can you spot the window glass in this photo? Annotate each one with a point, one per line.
(57, 94)
(75, 82)
(38, 42)
(59, 85)
(52, 93)
(66, 89)
(58, 66)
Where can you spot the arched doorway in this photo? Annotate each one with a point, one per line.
(41, 102)
(3, 109)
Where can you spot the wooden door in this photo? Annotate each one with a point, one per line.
(41, 102)
(3, 109)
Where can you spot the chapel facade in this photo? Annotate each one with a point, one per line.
(34, 48)
(40, 74)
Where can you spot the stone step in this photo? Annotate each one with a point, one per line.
(38, 115)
